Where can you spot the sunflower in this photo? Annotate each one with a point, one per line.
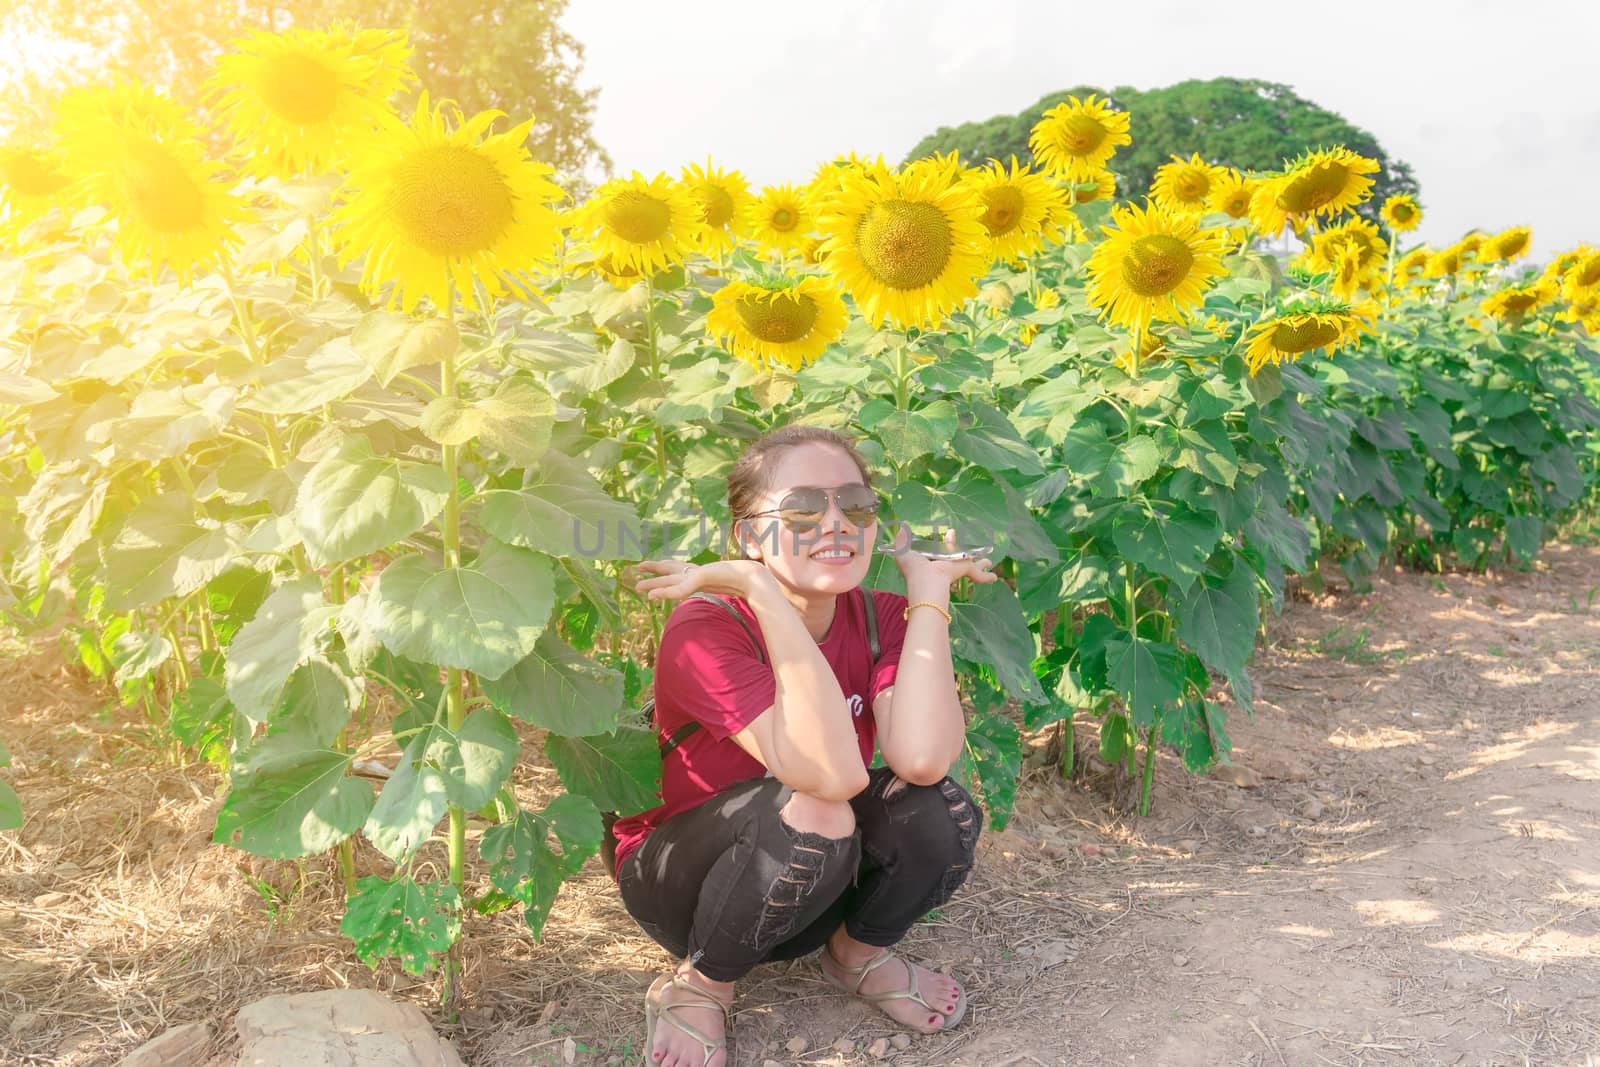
(1505, 245)
(1016, 207)
(1286, 337)
(782, 218)
(645, 225)
(1046, 298)
(1152, 349)
(1184, 185)
(1350, 272)
(1469, 246)
(1101, 186)
(164, 195)
(1078, 138)
(443, 202)
(1444, 263)
(724, 200)
(295, 101)
(1585, 310)
(1402, 213)
(1153, 264)
(621, 276)
(1027, 333)
(1359, 234)
(1513, 302)
(87, 116)
(1582, 275)
(1321, 183)
(791, 323)
(1413, 262)
(907, 247)
(830, 177)
(31, 181)
(1231, 193)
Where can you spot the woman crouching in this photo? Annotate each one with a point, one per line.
(775, 839)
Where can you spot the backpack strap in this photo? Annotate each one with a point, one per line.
(684, 732)
(870, 603)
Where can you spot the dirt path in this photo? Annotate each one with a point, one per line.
(1403, 869)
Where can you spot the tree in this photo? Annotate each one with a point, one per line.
(1251, 125)
(488, 54)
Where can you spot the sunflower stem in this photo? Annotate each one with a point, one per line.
(901, 378)
(247, 326)
(314, 259)
(1149, 771)
(454, 711)
(655, 371)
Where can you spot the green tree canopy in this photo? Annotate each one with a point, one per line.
(482, 54)
(1251, 125)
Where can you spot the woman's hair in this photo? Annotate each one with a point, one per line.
(749, 476)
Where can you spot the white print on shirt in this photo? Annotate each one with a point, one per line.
(856, 704)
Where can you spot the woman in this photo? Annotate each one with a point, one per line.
(774, 839)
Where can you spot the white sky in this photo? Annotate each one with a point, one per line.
(1496, 105)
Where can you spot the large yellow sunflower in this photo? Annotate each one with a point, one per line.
(1184, 185)
(1514, 301)
(164, 195)
(1321, 183)
(31, 181)
(295, 101)
(1402, 213)
(1357, 234)
(1153, 264)
(1286, 337)
(1016, 207)
(441, 203)
(782, 218)
(791, 323)
(1231, 193)
(907, 247)
(645, 225)
(1076, 139)
(724, 200)
(1505, 245)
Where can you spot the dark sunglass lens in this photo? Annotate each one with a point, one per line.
(859, 503)
(812, 502)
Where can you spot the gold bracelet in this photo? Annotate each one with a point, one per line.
(906, 614)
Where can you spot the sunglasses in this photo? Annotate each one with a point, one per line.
(806, 506)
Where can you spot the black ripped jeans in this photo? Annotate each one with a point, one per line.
(729, 884)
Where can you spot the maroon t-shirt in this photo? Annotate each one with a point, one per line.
(708, 672)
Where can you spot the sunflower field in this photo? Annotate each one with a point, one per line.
(328, 430)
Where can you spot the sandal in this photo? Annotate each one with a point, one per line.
(654, 1012)
(911, 992)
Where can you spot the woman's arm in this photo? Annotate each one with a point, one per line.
(806, 738)
(922, 743)
(926, 737)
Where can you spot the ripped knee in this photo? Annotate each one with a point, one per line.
(806, 814)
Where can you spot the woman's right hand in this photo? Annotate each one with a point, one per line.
(675, 579)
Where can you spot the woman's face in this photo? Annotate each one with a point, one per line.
(832, 558)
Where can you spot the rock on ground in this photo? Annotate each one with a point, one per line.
(180, 1046)
(339, 1028)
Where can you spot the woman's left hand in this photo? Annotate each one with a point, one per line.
(920, 571)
